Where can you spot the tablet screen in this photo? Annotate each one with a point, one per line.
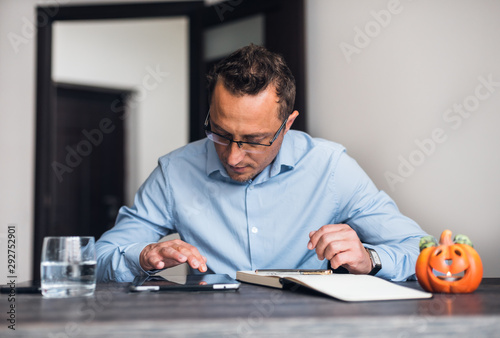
(185, 283)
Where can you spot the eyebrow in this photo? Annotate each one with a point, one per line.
(248, 136)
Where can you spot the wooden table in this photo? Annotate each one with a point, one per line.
(253, 311)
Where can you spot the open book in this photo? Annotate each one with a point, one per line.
(346, 287)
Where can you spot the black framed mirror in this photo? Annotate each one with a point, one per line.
(82, 205)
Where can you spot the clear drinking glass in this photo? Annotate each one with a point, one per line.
(68, 266)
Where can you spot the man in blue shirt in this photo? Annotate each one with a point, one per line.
(255, 194)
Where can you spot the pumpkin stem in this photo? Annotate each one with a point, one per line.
(446, 238)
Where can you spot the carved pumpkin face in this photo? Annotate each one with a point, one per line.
(450, 267)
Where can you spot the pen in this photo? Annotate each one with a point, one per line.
(274, 272)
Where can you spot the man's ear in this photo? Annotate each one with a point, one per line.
(290, 121)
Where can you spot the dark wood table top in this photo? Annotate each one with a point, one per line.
(253, 311)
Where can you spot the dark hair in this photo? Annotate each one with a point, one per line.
(249, 70)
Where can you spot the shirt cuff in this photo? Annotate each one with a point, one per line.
(131, 256)
(387, 271)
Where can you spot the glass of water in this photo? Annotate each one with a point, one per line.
(68, 266)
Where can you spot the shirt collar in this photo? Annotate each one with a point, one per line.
(284, 161)
(214, 166)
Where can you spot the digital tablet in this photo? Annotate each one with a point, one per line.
(206, 282)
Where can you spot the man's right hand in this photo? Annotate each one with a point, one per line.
(168, 254)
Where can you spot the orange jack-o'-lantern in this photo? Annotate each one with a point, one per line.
(451, 267)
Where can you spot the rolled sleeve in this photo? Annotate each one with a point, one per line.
(120, 264)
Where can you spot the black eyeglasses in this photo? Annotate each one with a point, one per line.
(249, 147)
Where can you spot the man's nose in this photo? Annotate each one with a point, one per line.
(235, 154)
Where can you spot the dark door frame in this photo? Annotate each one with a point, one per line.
(284, 21)
(45, 122)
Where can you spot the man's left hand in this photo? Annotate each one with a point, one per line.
(340, 244)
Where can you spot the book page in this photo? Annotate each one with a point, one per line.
(353, 288)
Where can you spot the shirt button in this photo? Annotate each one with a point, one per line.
(255, 230)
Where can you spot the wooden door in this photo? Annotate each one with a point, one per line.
(89, 147)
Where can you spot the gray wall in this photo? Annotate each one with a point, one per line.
(412, 89)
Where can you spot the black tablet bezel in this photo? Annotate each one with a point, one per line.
(200, 282)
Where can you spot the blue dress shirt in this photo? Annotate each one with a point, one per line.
(262, 223)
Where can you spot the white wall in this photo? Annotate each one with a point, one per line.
(393, 92)
(149, 57)
(399, 83)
